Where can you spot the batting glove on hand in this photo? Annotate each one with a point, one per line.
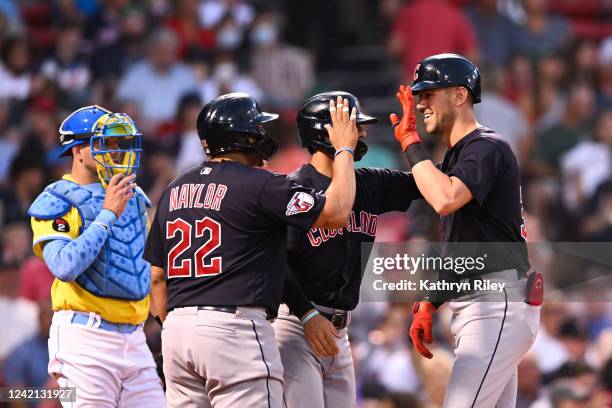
(421, 327)
(405, 129)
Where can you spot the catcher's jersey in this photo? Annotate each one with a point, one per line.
(327, 263)
(70, 295)
(220, 234)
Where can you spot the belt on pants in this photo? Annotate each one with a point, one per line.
(228, 309)
(84, 318)
(339, 318)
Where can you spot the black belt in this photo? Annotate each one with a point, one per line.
(225, 309)
(232, 310)
(339, 318)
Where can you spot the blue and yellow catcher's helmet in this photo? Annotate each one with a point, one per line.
(77, 128)
(116, 146)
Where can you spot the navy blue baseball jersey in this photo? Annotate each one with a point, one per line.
(485, 163)
(326, 264)
(220, 233)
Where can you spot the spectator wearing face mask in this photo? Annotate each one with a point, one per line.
(211, 12)
(229, 36)
(225, 78)
(284, 73)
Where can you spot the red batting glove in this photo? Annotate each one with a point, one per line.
(405, 129)
(421, 327)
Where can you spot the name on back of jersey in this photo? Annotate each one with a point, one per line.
(366, 224)
(197, 195)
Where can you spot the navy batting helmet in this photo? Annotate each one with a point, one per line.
(446, 70)
(234, 122)
(314, 115)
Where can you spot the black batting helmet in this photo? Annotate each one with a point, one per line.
(234, 122)
(314, 115)
(446, 70)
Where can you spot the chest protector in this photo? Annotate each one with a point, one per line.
(118, 271)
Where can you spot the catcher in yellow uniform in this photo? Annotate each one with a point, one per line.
(90, 229)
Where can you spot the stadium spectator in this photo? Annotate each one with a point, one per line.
(157, 83)
(574, 125)
(494, 31)
(542, 33)
(497, 111)
(26, 365)
(16, 77)
(67, 68)
(27, 178)
(185, 22)
(284, 73)
(18, 315)
(414, 37)
(585, 166)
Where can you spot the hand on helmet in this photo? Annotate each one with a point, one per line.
(343, 129)
(405, 129)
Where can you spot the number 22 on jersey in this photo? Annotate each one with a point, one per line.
(181, 268)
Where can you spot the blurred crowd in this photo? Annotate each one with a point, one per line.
(547, 87)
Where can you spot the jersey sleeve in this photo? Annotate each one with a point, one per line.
(478, 166)
(294, 296)
(66, 227)
(283, 200)
(154, 249)
(397, 189)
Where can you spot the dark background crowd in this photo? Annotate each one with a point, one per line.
(547, 87)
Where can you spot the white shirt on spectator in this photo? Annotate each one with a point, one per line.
(14, 86)
(19, 321)
(548, 351)
(502, 116)
(591, 162)
(211, 88)
(393, 368)
(190, 152)
(212, 11)
(157, 94)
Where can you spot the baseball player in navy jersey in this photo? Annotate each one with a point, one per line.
(476, 191)
(218, 246)
(325, 276)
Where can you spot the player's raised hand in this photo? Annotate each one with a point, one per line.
(343, 129)
(405, 129)
(321, 335)
(421, 328)
(118, 193)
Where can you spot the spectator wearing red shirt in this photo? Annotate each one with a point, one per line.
(190, 34)
(36, 280)
(427, 27)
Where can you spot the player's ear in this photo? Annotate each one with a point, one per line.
(461, 95)
(77, 152)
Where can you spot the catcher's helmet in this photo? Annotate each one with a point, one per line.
(77, 128)
(446, 70)
(116, 146)
(314, 115)
(233, 122)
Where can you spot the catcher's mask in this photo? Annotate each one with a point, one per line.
(116, 146)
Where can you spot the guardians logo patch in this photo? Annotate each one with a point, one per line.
(60, 225)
